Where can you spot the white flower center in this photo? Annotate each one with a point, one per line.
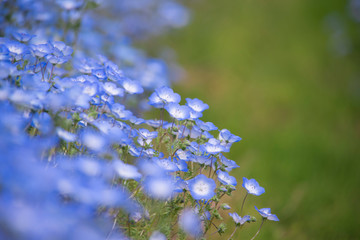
(201, 187)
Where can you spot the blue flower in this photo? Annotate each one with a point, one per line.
(177, 111)
(163, 96)
(252, 186)
(228, 164)
(65, 135)
(111, 89)
(160, 187)
(225, 178)
(266, 213)
(201, 187)
(226, 136)
(196, 105)
(213, 146)
(22, 36)
(132, 87)
(166, 164)
(126, 171)
(190, 222)
(205, 126)
(239, 220)
(156, 235)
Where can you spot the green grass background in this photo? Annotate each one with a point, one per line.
(266, 70)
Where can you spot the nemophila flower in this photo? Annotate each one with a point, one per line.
(136, 121)
(174, 14)
(226, 136)
(225, 206)
(239, 220)
(156, 235)
(155, 74)
(167, 164)
(144, 133)
(16, 49)
(126, 171)
(155, 123)
(225, 178)
(205, 126)
(22, 36)
(94, 141)
(196, 104)
(41, 50)
(183, 155)
(213, 146)
(163, 96)
(132, 87)
(89, 166)
(252, 186)
(65, 135)
(182, 165)
(266, 213)
(4, 55)
(120, 112)
(228, 164)
(90, 89)
(148, 167)
(201, 187)
(99, 73)
(206, 160)
(43, 122)
(69, 4)
(86, 65)
(111, 89)
(195, 115)
(160, 187)
(190, 222)
(177, 111)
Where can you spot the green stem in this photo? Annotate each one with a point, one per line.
(259, 229)
(242, 205)
(232, 234)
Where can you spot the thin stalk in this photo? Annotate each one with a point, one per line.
(232, 234)
(259, 229)
(242, 205)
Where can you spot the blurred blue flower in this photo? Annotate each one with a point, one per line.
(190, 222)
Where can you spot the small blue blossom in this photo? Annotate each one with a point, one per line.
(177, 111)
(126, 171)
(213, 146)
(201, 187)
(205, 126)
(190, 222)
(132, 87)
(163, 96)
(196, 105)
(266, 213)
(65, 135)
(22, 36)
(252, 186)
(156, 235)
(225, 178)
(111, 89)
(239, 220)
(160, 187)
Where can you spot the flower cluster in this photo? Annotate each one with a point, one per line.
(76, 151)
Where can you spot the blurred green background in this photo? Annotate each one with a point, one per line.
(283, 75)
